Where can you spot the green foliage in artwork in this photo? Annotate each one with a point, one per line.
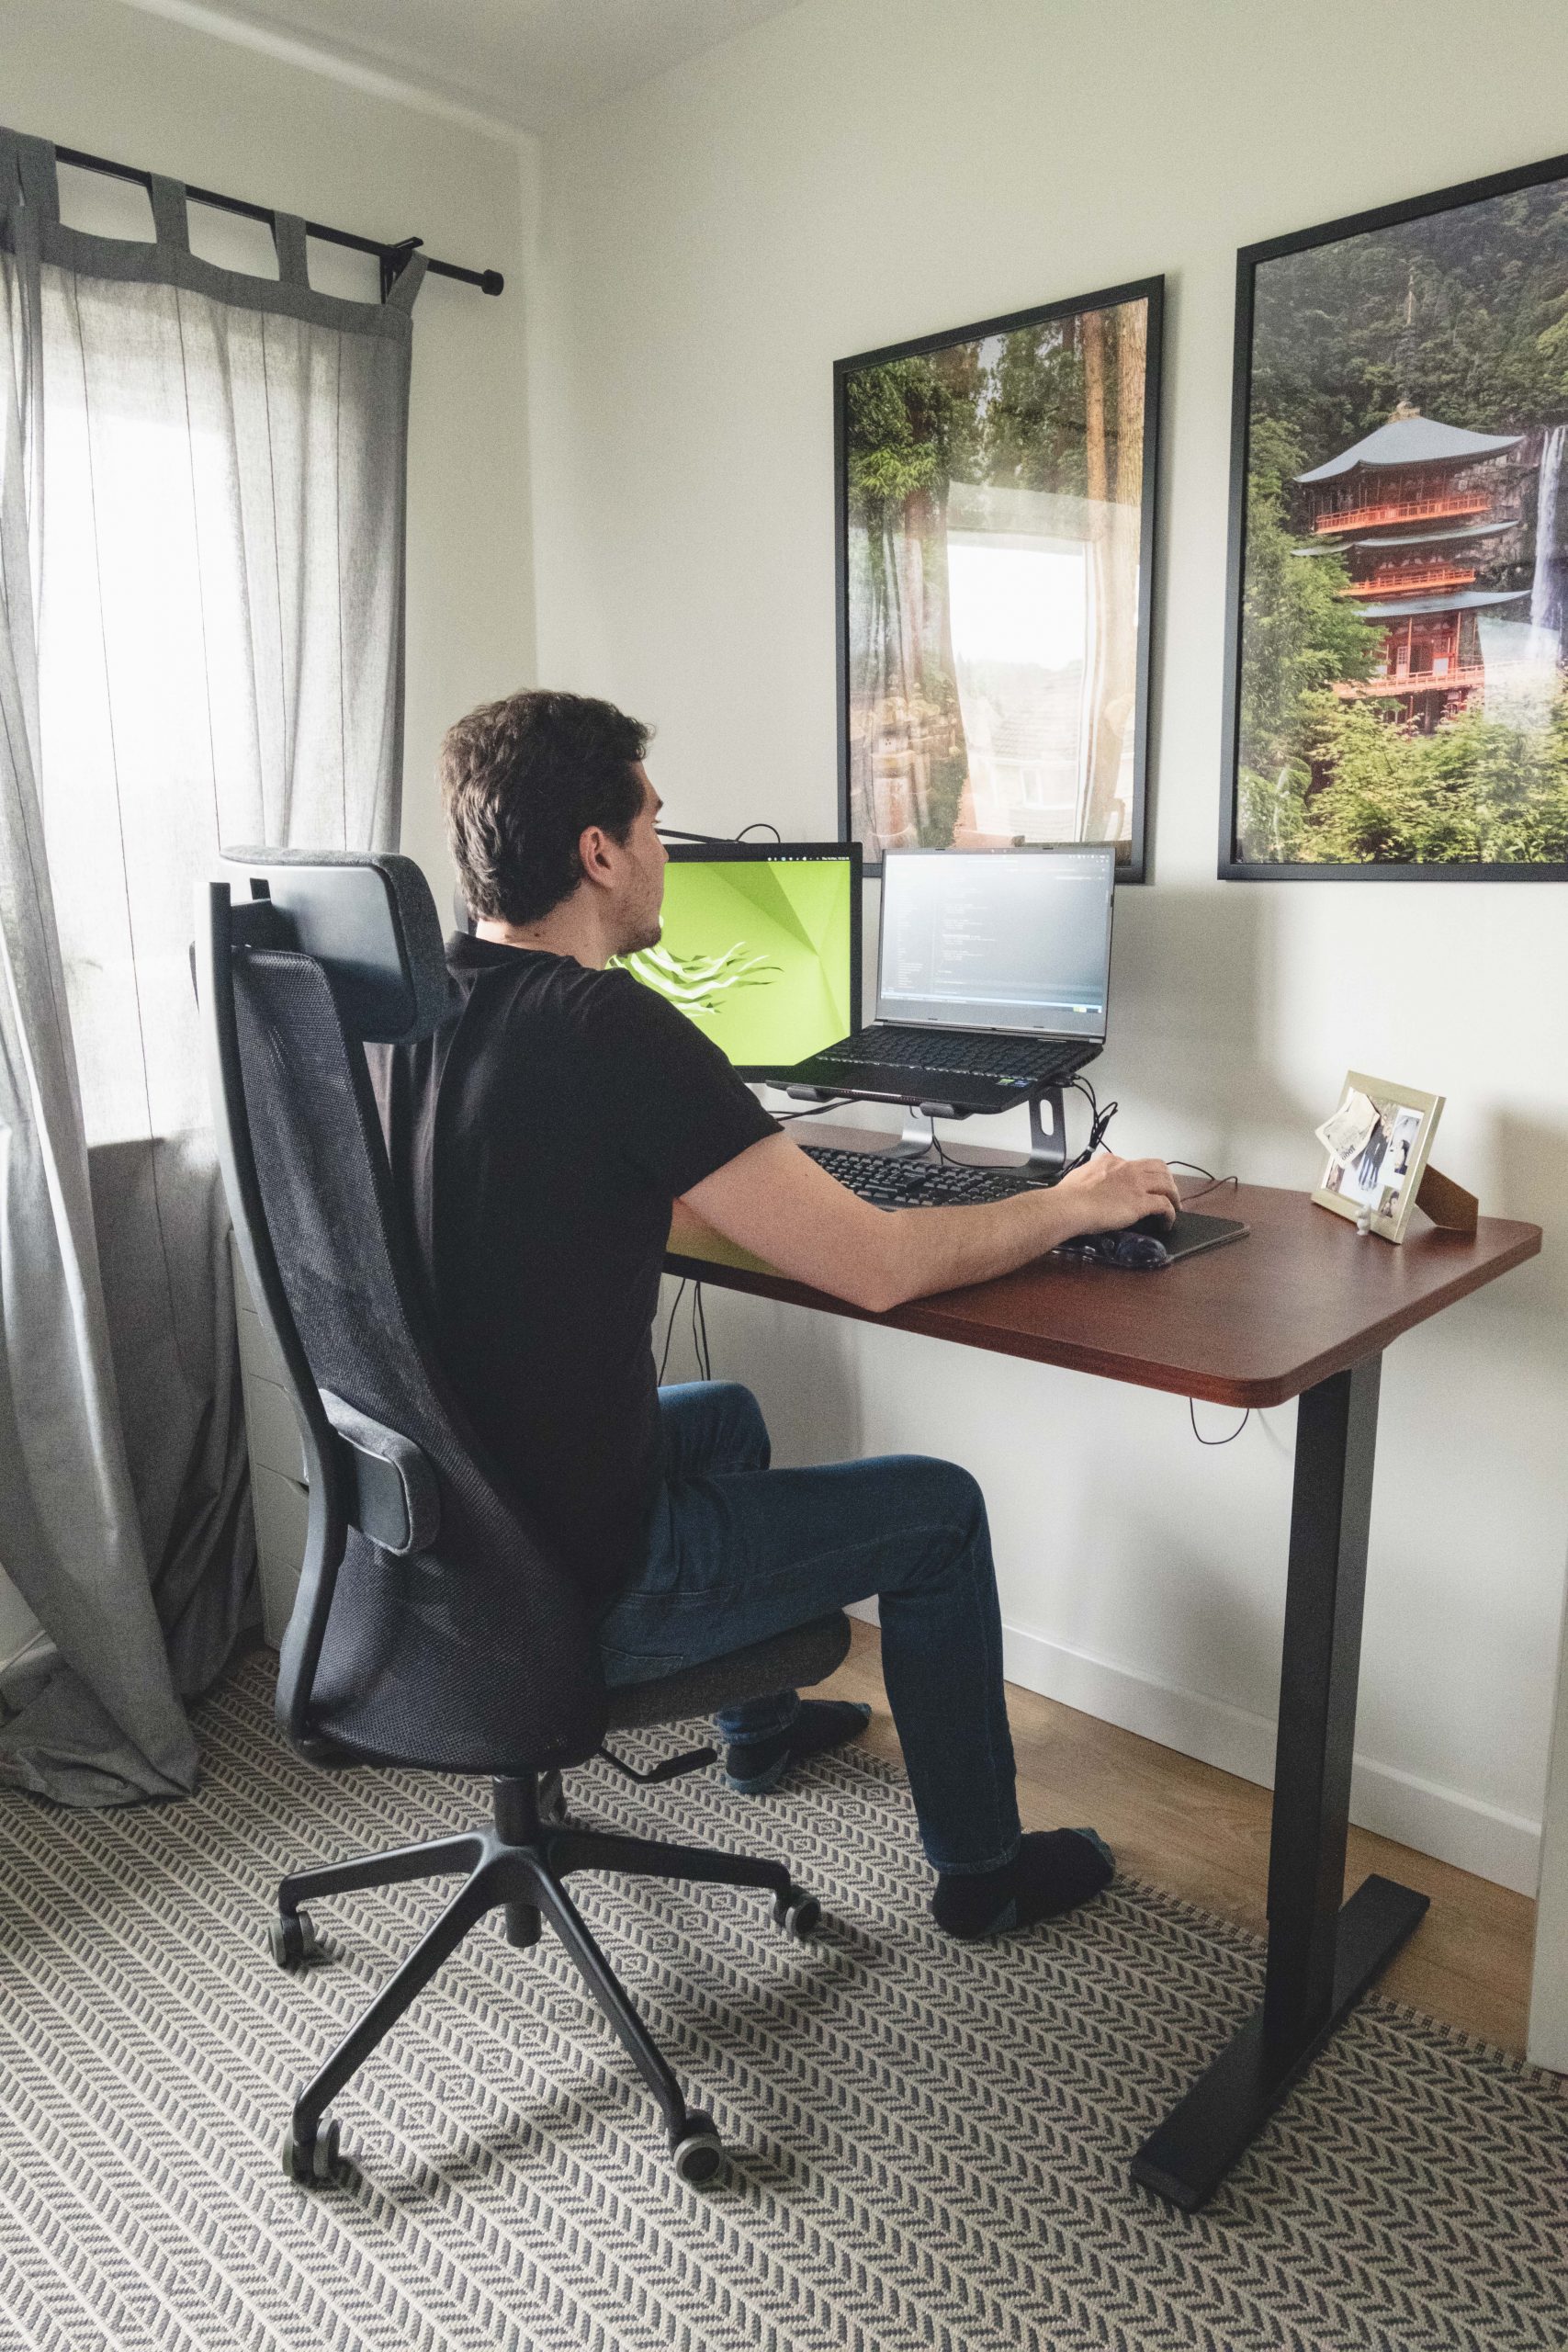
(1035, 423)
(1011, 413)
(1477, 791)
(910, 428)
(1485, 346)
(944, 791)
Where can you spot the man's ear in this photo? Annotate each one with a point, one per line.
(590, 845)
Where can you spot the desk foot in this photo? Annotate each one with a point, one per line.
(1186, 2159)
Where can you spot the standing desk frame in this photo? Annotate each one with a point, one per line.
(1303, 1308)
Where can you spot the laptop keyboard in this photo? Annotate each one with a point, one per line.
(890, 1183)
(958, 1051)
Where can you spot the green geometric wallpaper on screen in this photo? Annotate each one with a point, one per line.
(757, 952)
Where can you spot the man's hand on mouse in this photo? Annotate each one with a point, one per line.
(1114, 1193)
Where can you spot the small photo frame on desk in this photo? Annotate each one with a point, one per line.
(1379, 1178)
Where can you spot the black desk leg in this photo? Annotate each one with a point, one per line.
(1321, 1958)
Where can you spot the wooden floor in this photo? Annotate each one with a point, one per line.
(1203, 1835)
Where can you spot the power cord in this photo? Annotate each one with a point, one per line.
(1099, 1122)
(1213, 1184)
(815, 1109)
(699, 1329)
(670, 1331)
(1101, 1116)
(717, 840)
(1192, 1416)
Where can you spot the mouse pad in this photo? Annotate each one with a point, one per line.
(1192, 1232)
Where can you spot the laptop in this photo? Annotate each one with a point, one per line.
(993, 976)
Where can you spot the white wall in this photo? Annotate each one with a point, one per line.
(95, 75)
(859, 171)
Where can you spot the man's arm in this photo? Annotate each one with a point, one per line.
(776, 1202)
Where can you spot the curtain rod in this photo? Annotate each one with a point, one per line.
(392, 259)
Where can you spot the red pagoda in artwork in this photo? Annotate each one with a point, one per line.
(1417, 511)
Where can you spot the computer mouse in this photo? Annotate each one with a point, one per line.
(1137, 1251)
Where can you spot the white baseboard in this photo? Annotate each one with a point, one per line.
(1445, 1822)
(1547, 2044)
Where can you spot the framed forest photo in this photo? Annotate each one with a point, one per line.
(995, 504)
(1397, 699)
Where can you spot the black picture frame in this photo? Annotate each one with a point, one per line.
(1250, 259)
(1135, 865)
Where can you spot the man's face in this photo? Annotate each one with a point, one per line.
(640, 895)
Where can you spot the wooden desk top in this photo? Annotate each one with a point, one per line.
(1301, 1296)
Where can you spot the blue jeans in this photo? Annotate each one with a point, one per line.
(738, 1552)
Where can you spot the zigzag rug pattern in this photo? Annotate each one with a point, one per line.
(930, 2140)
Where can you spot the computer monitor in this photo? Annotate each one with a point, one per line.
(760, 947)
(1005, 939)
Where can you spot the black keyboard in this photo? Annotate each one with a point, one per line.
(891, 1183)
(959, 1051)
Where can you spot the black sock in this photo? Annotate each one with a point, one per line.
(1052, 1872)
(821, 1725)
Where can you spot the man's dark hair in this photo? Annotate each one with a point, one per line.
(520, 781)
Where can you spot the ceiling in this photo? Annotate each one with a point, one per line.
(528, 63)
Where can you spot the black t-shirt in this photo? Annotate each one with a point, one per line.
(537, 1142)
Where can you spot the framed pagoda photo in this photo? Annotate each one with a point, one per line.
(996, 516)
(1397, 693)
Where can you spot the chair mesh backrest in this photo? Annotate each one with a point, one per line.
(478, 1654)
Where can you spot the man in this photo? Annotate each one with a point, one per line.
(552, 1127)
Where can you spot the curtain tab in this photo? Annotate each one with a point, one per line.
(406, 285)
(288, 236)
(170, 220)
(30, 163)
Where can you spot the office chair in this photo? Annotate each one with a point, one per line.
(432, 1628)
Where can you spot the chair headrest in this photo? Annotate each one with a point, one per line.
(368, 917)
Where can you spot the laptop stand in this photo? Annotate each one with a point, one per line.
(1047, 1151)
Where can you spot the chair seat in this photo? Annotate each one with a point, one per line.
(784, 1662)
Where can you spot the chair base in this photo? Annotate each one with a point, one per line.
(519, 1866)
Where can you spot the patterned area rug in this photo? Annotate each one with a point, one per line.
(930, 2141)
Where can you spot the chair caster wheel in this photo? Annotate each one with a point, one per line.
(552, 1798)
(292, 1940)
(697, 2155)
(797, 1912)
(313, 2162)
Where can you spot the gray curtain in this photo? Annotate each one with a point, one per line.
(202, 480)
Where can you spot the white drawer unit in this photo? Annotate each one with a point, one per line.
(274, 1430)
(278, 1465)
